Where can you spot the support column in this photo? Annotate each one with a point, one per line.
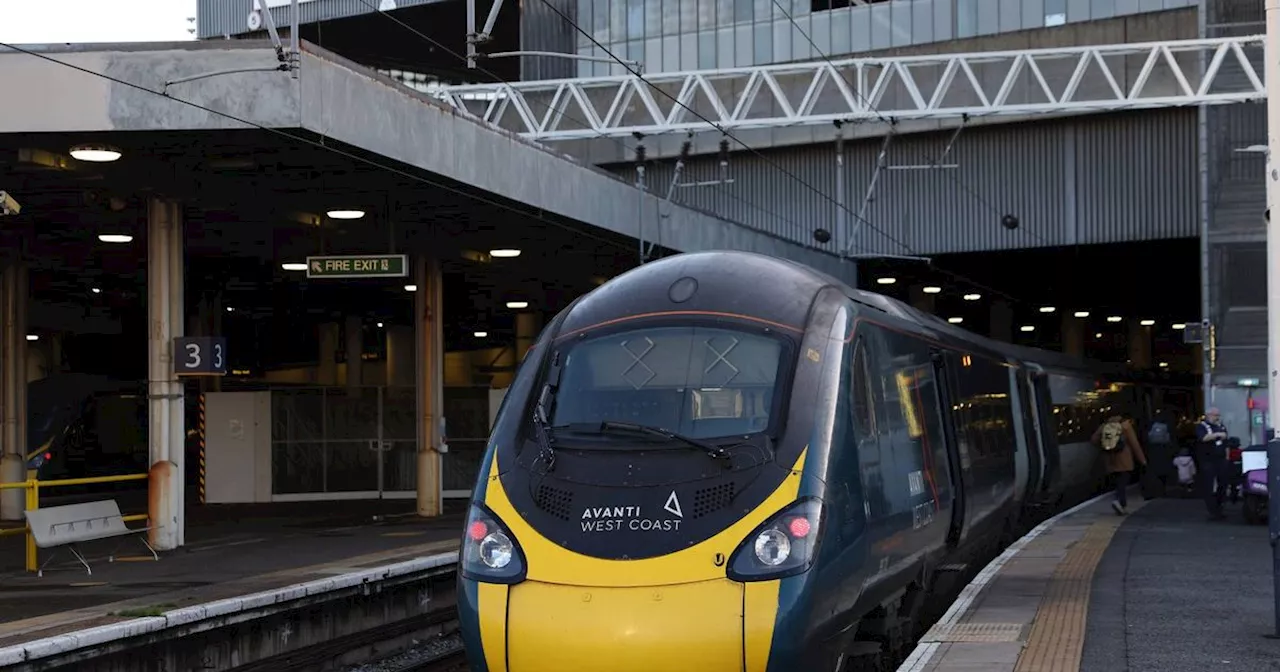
(1001, 321)
(1139, 345)
(13, 387)
(400, 356)
(1072, 334)
(163, 497)
(177, 386)
(428, 332)
(922, 301)
(327, 368)
(355, 352)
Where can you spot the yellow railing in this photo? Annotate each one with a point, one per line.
(33, 487)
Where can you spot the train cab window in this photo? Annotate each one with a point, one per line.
(698, 381)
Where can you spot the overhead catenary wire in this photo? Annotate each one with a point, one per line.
(442, 47)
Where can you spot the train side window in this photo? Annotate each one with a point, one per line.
(864, 417)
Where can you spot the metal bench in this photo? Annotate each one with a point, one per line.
(73, 524)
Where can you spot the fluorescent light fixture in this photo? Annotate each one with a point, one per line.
(1027, 328)
(932, 289)
(1098, 335)
(95, 153)
(886, 281)
(972, 297)
(230, 309)
(345, 214)
(480, 334)
(504, 253)
(1082, 313)
(410, 288)
(517, 305)
(1114, 318)
(955, 320)
(379, 325)
(1179, 326)
(294, 266)
(33, 337)
(115, 237)
(1147, 323)
(1164, 365)
(95, 290)
(1047, 309)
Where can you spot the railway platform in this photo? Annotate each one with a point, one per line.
(232, 551)
(1163, 588)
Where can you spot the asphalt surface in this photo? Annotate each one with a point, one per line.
(1177, 593)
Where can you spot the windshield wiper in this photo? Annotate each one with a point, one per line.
(541, 413)
(612, 425)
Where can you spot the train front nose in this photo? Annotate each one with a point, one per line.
(692, 626)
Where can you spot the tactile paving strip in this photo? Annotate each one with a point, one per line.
(1057, 636)
(976, 632)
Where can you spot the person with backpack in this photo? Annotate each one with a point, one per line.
(1211, 454)
(1120, 450)
(1160, 453)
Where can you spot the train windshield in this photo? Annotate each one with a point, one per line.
(700, 382)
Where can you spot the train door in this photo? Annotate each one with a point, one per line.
(1029, 440)
(945, 400)
(1043, 407)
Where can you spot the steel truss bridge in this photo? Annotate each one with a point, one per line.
(1069, 80)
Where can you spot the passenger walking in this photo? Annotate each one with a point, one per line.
(1211, 454)
(1120, 451)
(1160, 453)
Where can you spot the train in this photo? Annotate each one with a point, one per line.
(727, 461)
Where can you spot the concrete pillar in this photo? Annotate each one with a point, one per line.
(1001, 321)
(1073, 334)
(177, 386)
(400, 356)
(355, 351)
(527, 327)
(922, 301)
(164, 279)
(13, 381)
(327, 370)
(1139, 345)
(429, 335)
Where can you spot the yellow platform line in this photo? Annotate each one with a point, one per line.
(1056, 643)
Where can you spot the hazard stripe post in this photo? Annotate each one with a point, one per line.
(200, 443)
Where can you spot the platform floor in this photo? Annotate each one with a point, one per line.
(1160, 589)
(231, 551)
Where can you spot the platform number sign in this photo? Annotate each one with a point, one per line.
(200, 356)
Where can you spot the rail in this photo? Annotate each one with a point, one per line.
(33, 487)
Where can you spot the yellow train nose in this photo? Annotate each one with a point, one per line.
(694, 626)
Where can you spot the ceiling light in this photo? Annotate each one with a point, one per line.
(1098, 335)
(1114, 318)
(32, 337)
(1147, 323)
(95, 290)
(1164, 365)
(931, 289)
(955, 320)
(1047, 309)
(379, 325)
(886, 281)
(294, 266)
(972, 297)
(1082, 313)
(505, 253)
(230, 309)
(1179, 326)
(410, 288)
(115, 238)
(517, 305)
(345, 214)
(481, 334)
(95, 153)
(1027, 327)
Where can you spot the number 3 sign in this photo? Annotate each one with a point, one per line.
(200, 356)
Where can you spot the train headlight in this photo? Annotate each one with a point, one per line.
(489, 550)
(783, 545)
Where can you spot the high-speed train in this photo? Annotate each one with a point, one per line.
(723, 461)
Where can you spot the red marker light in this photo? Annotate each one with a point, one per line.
(48, 456)
(477, 530)
(799, 528)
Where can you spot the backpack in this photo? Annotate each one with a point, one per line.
(1159, 433)
(1112, 438)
